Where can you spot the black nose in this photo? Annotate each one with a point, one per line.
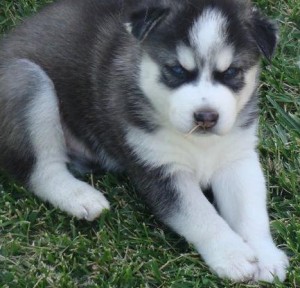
(206, 119)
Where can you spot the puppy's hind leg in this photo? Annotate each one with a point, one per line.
(50, 178)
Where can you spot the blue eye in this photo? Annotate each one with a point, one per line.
(174, 75)
(231, 73)
(177, 71)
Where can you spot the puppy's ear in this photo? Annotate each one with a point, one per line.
(265, 33)
(142, 22)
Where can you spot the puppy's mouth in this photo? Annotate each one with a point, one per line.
(200, 129)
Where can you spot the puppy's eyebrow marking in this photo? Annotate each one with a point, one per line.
(224, 59)
(186, 57)
(208, 32)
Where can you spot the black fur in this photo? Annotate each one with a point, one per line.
(157, 189)
(174, 81)
(265, 34)
(235, 84)
(144, 21)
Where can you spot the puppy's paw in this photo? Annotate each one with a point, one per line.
(234, 260)
(272, 263)
(84, 202)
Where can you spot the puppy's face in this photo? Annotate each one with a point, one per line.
(200, 64)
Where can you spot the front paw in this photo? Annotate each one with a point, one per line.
(86, 202)
(80, 200)
(233, 259)
(272, 263)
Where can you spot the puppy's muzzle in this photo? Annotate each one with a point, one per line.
(206, 119)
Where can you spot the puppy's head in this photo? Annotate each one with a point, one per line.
(200, 60)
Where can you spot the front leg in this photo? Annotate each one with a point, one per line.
(178, 201)
(240, 193)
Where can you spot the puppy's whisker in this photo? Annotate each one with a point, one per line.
(193, 130)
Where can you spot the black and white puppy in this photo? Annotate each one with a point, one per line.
(163, 90)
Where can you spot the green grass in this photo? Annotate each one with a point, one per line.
(126, 247)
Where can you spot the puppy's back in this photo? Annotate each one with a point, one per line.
(62, 35)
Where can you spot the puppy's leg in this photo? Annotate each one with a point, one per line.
(49, 178)
(240, 193)
(178, 201)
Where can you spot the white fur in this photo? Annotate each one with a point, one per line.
(128, 27)
(238, 188)
(202, 156)
(223, 250)
(208, 32)
(157, 93)
(186, 57)
(224, 58)
(204, 95)
(231, 164)
(194, 161)
(50, 179)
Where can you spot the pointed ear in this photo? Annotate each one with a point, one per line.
(142, 22)
(265, 33)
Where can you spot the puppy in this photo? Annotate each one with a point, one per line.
(163, 90)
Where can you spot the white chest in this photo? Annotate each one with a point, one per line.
(201, 155)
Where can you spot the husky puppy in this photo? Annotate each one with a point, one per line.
(163, 90)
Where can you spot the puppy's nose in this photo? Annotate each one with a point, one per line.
(206, 119)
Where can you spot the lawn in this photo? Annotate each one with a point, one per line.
(126, 247)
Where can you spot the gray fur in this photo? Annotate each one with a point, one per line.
(16, 155)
